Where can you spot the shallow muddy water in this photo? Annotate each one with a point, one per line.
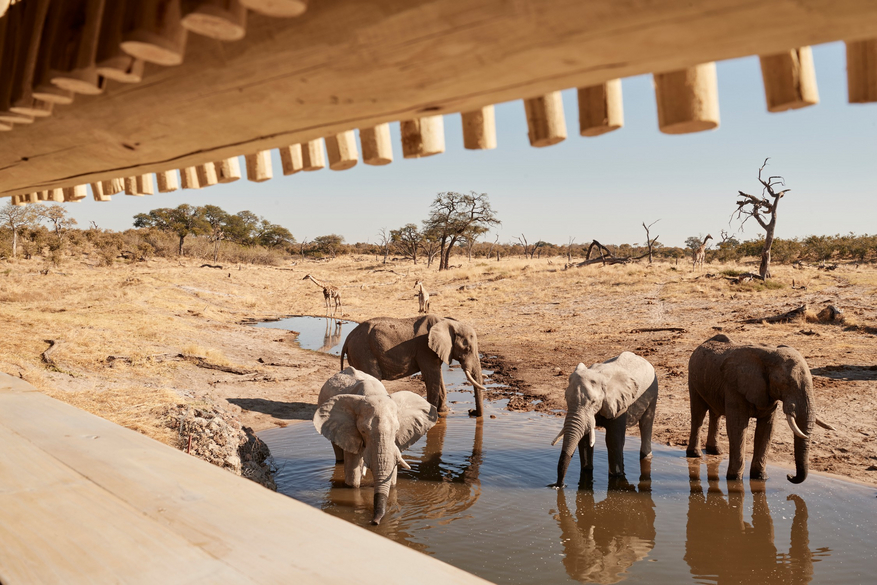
(318, 333)
(476, 498)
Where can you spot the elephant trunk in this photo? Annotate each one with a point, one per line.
(384, 470)
(803, 415)
(575, 426)
(380, 507)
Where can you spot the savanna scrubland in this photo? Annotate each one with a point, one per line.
(140, 334)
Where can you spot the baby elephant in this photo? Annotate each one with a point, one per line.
(616, 394)
(369, 428)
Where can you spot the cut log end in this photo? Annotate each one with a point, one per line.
(600, 130)
(277, 8)
(548, 141)
(690, 126)
(148, 50)
(212, 21)
(122, 68)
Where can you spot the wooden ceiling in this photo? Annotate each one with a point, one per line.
(350, 64)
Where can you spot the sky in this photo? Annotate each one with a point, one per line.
(600, 188)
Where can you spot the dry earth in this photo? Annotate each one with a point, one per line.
(535, 320)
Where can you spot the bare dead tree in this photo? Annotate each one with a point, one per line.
(529, 250)
(384, 239)
(650, 242)
(749, 206)
(492, 246)
(301, 247)
(569, 250)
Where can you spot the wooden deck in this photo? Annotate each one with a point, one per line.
(83, 500)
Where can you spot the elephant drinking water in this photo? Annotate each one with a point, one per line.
(390, 349)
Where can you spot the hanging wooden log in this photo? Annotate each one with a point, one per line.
(277, 8)
(97, 192)
(545, 121)
(19, 200)
(154, 32)
(167, 181)
(42, 195)
(601, 109)
(377, 148)
(33, 197)
(5, 127)
(41, 108)
(27, 50)
(342, 152)
(789, 80)
(259, 166)
(113, 186)
(189, 178)
(145, 186)
(688, 100)
(224, 20)
(862, 71)
(50, 92)
(207, 174)
(312, 157)
(73, 194)
(423, 136)
(56, 195)
(479, 129)
(290, 159)
(74, 45)
(112, 62)
(131, 187)
(228, 170)
(13, 118)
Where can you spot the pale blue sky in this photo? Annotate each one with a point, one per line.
(592, 188)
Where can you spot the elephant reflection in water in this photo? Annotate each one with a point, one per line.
(332, 337)
(721, 546)
(603, 539)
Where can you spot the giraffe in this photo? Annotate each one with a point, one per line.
(329, 293)
(422, 296)
(700, 253)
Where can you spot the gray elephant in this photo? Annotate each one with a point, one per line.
(370, 428)
(743, 381)
(615, 394)
(390, 349)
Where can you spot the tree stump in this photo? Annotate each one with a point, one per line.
(479, 129)
(224, 20)
(207, 174)
(789, 80)
(111, 61)
(688, 100)
(312, 157)
(154, 31)
(189, 178)
(423, 136)
(377, 149)
(601, 109)
(290, 159)
(228, 170)
(862, 71)
(167, 181)
(341, 149)
(545, 121)
(277, 8)
(259, 166)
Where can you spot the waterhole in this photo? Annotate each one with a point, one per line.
(475, 497)
(318, 333)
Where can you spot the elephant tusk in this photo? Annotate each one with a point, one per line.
(794, 426)
(593, 436)
(557, 438)
(824, 424)
(473, 382)
(402, 463)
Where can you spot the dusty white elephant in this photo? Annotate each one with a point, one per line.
(615, 394)
(369, 428)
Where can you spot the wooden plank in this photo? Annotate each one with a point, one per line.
(266, 536)
(389, 60)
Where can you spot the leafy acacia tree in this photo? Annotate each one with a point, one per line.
(272, 235)
(216, 218)
(764, 210)
(17, 218)
(57, 216)
(453, 214)
(408, 239)
(329, 244)
(181, 221)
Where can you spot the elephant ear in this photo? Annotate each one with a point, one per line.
(441, 339)
(336, 420)
(742, 373)
(416, 417)
(621, 390)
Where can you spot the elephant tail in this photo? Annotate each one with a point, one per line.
(343, 351)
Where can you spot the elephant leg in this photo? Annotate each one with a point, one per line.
(699, 409)
(436, 393)
(712, 437)
(736, 424)
(646, 422)
(615, 429)
(353, 469)
(586, 458)
(339, 453)
(761, 447)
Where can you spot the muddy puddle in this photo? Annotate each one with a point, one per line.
(317, 333)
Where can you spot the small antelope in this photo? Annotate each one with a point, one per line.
(422, 296)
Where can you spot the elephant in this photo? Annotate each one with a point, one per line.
(602, 540)
(390, 349)
(743, 381)
(370, 428)
(722, 547)
(615, 394)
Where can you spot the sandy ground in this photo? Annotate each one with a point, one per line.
(535, 321)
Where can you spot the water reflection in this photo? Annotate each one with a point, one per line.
(332, 337)
(603, 539)
(721, 547)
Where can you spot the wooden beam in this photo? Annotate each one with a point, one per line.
(393, 61)
(862, 71)
(600, 108)
(259, 166)
(290, 159)
(479, 129)
(167, 181)
(789, 80)
(228, 170)
(207, 174)
(423, 136)
(312, 156)
(688, 100)
(154, 31)
(546, 124)
(189, 178)
(342, 152)
(377, 148)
